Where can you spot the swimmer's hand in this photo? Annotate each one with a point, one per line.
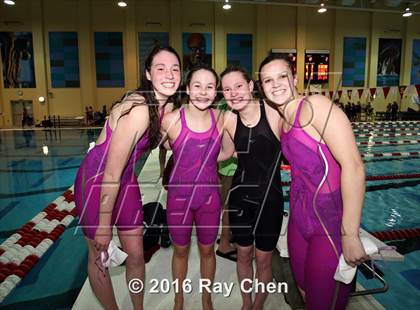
(353, 251)
(102, 239)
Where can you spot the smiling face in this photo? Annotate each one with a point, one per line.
(164, 74)
(202, 89)
(236, 90)
(277, 81)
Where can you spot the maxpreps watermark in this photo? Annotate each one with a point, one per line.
(165, 286)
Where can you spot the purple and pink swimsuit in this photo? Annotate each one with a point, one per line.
(127, 213)
(316, 211)
(193, 189)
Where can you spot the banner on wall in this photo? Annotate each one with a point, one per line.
(354, 59)
(64, 59)
(372, 91)
(389, 60)
(239, 50)
(360, 92)
(415, 63)
(196, 49)
(109, 59)
(148, 41)
(386, 91)
(17, 56)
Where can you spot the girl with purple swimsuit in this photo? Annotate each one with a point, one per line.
(106, 189)
(327, 190)
(194, 134)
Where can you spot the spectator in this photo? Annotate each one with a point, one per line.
(104, 112)
(24, 117)
(87, 116)
(388, 111)
(394, 111)
(358, 110)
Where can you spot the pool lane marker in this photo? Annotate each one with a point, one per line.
(393, 154)
(403, 176)
(403, 134)
(389, 130)
(22, 250)
(388, 142)
(385, 122)
(386, 126)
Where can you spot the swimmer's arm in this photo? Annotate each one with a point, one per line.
(340, 139)
(227, 149)
(168, 122)
(126, 134)
(163, 129)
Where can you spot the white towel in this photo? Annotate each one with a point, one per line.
(91, 146)
(344, 272)
(115, 256)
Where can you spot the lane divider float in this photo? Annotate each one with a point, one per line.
(22, 250)
(388, 142)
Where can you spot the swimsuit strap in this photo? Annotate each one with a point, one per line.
(182, 116)
(296, 122)
(213, 119)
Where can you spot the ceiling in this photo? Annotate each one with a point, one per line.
(391, 6)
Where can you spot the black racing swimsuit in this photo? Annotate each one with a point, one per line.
(256, 197)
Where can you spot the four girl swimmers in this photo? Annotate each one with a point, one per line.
(325, 216)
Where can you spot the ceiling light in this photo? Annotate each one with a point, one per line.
(227, 6)
(9, 2)
(122, 4)
(407, 13)
(322, 9)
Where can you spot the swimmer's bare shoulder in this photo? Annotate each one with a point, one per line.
(126, 105)
(170, 120)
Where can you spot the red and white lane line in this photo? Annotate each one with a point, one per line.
(388, 142)
(386, 129)
(385, 122)
(22, 250)
(402, 134)
(392, 154)
(402, 176)
(389, 126)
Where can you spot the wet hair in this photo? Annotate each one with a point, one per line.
(236, 68)
(146, 90)
(201, 66)
(266, 61)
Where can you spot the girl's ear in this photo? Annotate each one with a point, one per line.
(251, 86)
(187, 89)
(148, 76)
